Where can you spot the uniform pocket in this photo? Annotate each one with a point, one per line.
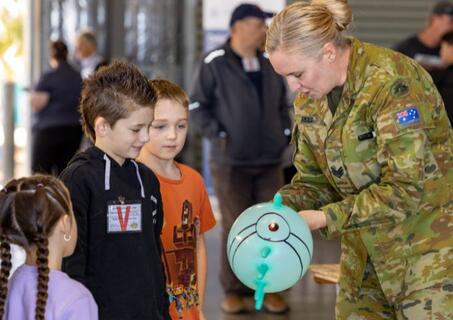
(360, 154)
(431, 303)
(429, 270)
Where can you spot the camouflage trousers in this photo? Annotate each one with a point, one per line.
(434, 303)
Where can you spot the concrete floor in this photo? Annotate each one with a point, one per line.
(307, 299)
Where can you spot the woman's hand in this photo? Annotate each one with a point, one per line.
(38, 100)
(315, 219)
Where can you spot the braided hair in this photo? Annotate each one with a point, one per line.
(29, 211)
(5, 255)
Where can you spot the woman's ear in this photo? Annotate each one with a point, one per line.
(101, 126)
(329, 51)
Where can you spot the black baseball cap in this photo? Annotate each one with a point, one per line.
(443, 7)
(247, 10)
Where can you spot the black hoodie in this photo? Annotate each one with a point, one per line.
(123, 270)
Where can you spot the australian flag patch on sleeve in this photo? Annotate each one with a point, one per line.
(408, 117)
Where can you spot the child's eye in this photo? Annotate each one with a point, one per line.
(182, 126)
(135, 130)
(158, 127)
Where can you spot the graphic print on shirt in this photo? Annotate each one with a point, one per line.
(180, 260)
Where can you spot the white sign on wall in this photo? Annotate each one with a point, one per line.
(216, 18)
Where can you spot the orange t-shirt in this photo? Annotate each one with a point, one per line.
(187, 213)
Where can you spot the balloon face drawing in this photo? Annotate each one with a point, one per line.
(269, 247)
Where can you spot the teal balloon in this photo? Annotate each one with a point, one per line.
(269, 247)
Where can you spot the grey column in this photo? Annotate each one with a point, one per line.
(8, 130)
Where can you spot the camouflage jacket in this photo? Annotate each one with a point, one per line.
(381, 169)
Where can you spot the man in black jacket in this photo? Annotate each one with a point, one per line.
(424, 46)
(240, 105)
(443, 77)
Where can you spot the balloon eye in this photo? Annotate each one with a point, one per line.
(273, 226)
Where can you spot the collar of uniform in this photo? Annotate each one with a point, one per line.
(356, 67)
(309, 111)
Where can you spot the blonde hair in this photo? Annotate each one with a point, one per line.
(88, 35)
(166, 89)
(307, 27)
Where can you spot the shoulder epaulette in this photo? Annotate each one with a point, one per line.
(214, 54)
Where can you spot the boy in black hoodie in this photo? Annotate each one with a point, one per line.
(116, 201)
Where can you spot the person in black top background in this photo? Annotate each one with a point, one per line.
(56, 129)
(443, 78)
(424, 46)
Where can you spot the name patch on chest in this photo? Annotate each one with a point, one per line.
(306, 119)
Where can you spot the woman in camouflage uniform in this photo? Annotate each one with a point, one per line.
(374, 159)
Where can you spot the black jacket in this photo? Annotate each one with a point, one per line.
(244, 129)
(123, 271)
(415, 49)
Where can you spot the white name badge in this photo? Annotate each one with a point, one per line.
(124, 217)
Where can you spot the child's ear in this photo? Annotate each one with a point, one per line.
(101, 126)
(65, 225)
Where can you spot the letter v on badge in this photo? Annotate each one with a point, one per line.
(124, 217)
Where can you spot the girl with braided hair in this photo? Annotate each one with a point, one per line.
(36, 214)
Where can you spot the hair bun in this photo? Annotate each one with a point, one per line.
(340, 11)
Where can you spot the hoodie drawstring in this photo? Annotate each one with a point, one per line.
(139, 178)
(108, 166)
(107, 173)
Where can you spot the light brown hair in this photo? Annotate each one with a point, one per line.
(89, 36)
(113, 92)
(29, 211)
(306, 27)
(166, 89)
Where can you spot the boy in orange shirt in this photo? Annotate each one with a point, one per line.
(187, 211)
